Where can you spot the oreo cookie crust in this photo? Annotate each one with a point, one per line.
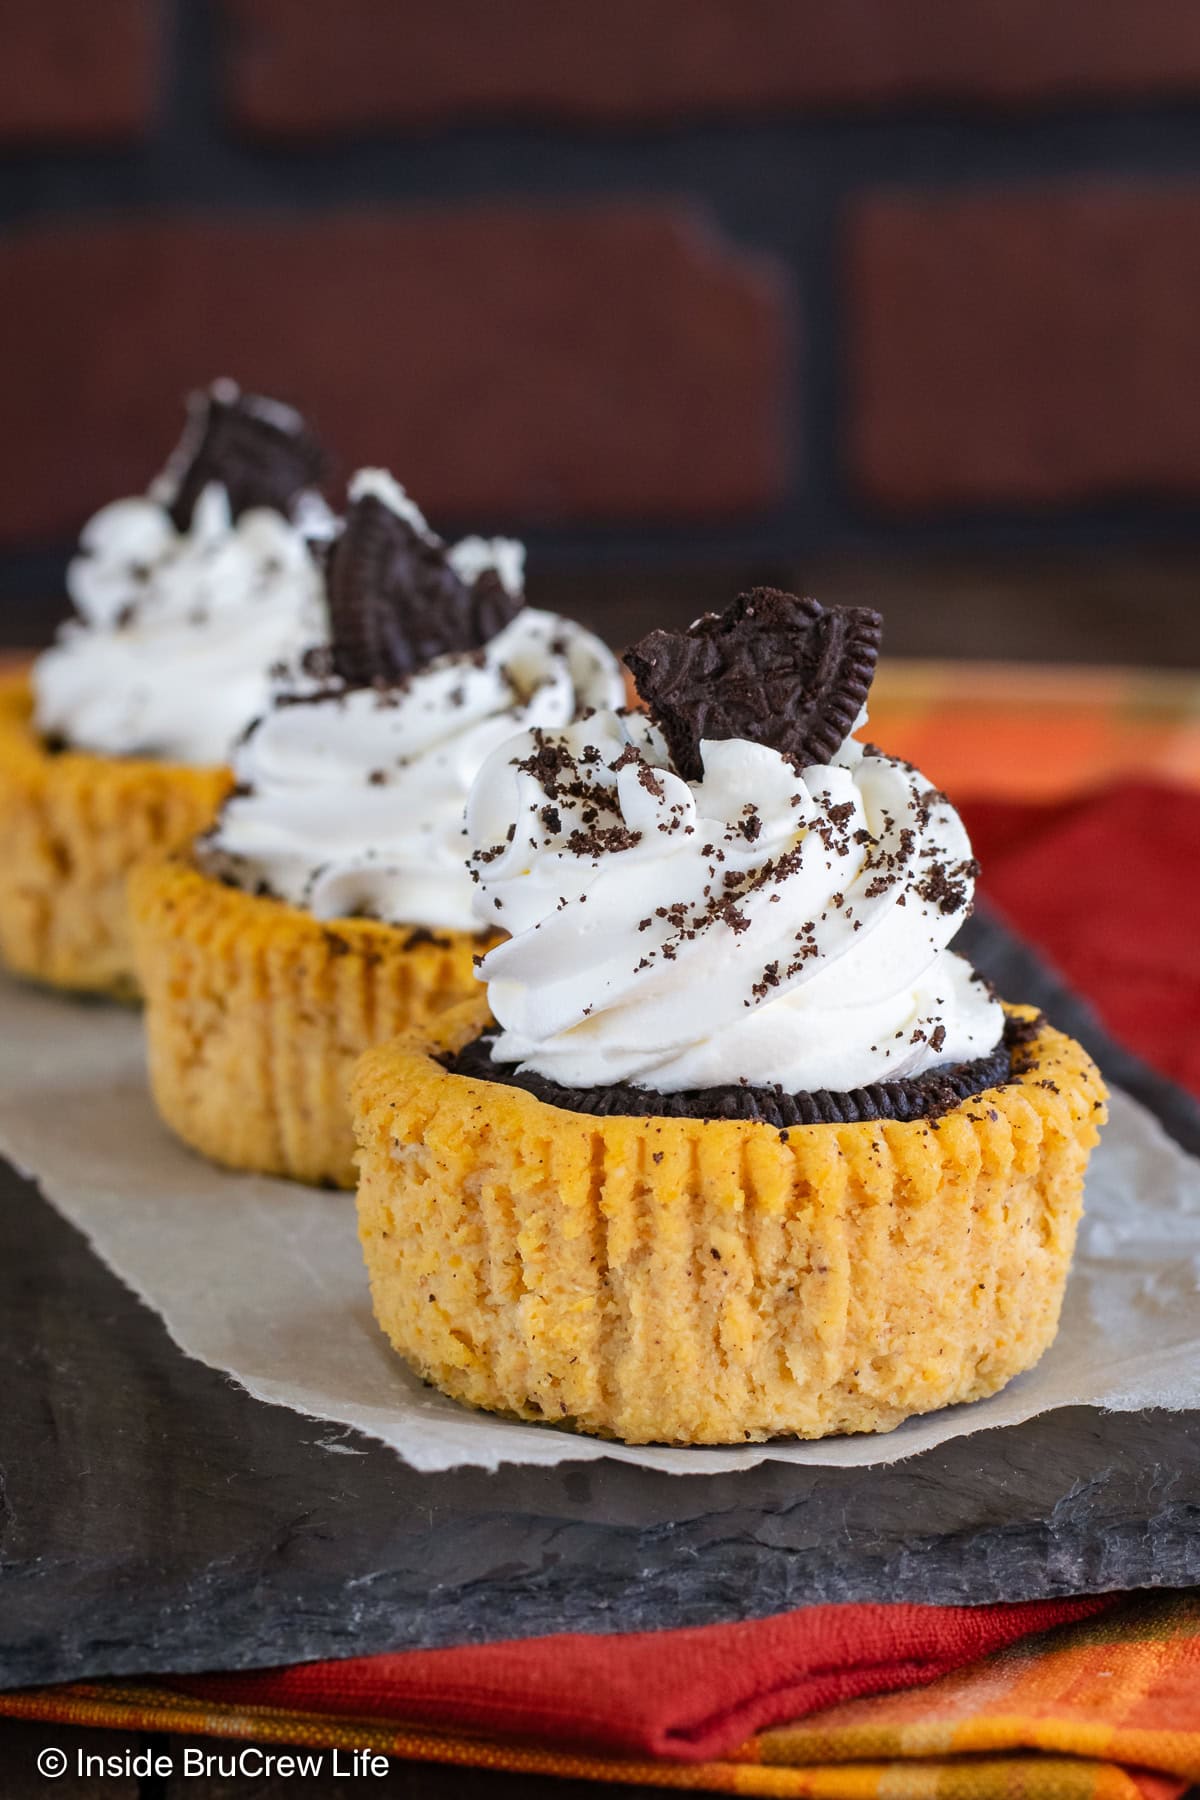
(926, 1096)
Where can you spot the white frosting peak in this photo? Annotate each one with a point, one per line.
(351, 801)
(470, 558)
(177, 632)
(761, 925)
(473, 556)
(381, 485)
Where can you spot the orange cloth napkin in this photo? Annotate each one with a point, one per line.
(1107, 1709)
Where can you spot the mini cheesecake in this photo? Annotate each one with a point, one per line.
(116, 748)
(331, 906)
(748, 1151)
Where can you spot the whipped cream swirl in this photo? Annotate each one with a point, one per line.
(351, 799)
(761, 925)
(178, 631)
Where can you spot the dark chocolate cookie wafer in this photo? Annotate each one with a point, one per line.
(396, 603)
(772, 668)
(926, 1096)
(261, 452)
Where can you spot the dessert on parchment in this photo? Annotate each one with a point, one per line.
(118, 744)
(331, 905)
(749, 1150)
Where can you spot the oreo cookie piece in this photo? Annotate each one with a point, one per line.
(261, 452)
(396, 602)
(775, 669)
(925, 1096)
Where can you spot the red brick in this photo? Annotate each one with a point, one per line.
(507, 362)
(302, 67)
(1030, 347)
(77, 69)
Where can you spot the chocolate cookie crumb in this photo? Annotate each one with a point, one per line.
(421, 934)
(1020, 1032)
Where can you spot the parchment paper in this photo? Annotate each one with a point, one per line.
(264, 1279)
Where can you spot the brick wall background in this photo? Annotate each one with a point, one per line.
(874, 295)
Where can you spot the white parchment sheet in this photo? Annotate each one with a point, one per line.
(264, 1279)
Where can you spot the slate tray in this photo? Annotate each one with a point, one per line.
(154, 1518)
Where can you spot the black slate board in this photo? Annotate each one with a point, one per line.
(154, 1518)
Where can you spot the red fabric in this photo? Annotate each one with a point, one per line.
(1106, 886)
(690, 1695)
